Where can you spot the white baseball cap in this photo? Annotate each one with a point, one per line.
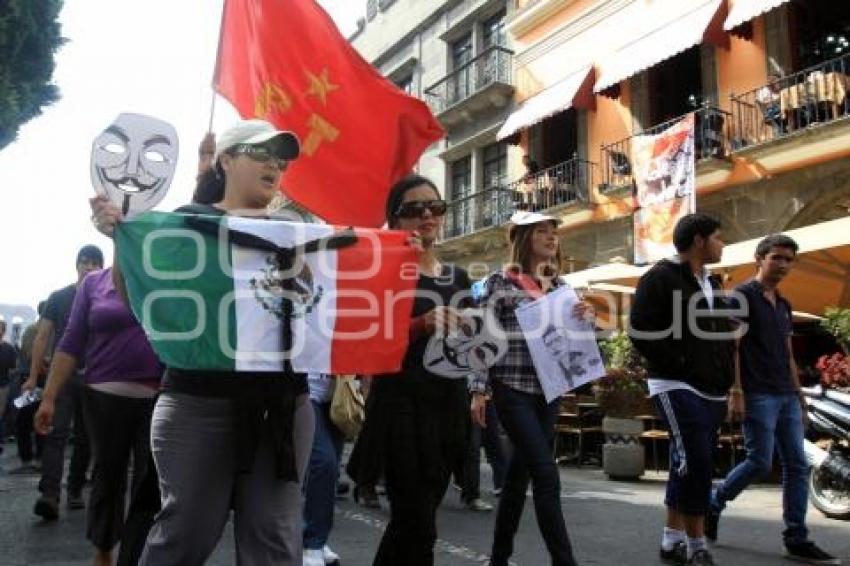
(256, 131)
(523, 217)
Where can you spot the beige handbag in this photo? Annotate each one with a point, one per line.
(348, 408)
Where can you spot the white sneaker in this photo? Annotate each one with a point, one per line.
(329, 555)
(313, 557)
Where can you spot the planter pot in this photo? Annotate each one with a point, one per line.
(622, 454)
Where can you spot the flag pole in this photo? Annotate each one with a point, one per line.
(215, 69)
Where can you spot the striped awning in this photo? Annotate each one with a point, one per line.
(745, 10)
(660, 43)
(574, 90)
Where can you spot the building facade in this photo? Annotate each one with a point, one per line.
(768, 81)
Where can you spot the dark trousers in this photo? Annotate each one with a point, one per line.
(490, 439)
(530, 424)
(26, 436)
(414, 495)
(118, 427)
(68, 425)
(692, 422)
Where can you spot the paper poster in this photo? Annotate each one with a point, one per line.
(563, 348)
(666, 188)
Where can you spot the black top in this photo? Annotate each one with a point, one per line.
(662, 333)
(438, 405)
(57, 311)
(263, 402)
(8, 362)
(765, 358)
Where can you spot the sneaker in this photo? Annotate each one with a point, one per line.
(497, 492)
(313, 557)
(701, 558)
(75, 500)
(712, 518)
(329, 556)
(47, 508)
(809, 553)
(676, 555)
(478, 504)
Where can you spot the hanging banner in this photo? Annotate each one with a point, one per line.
(665, 179)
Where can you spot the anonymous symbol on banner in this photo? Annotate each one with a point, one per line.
(269, 291)
(477, 346)
(572, 362)
(133, 162)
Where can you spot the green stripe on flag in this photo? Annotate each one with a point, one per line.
(179, 289)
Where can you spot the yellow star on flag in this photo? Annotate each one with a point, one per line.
(320, 85)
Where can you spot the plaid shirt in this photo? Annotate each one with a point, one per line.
(516, 369)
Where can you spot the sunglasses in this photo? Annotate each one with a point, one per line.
(260, 154)
(416, 209)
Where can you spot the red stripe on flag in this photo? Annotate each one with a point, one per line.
(373, 309)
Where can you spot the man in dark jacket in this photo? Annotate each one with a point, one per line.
(680, 324)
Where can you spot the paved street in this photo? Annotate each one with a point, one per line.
(611, 523)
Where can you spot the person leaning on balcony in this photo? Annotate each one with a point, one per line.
(417, 421)
(690, 370)
(527, 184)
(527, 418)
(767, 99)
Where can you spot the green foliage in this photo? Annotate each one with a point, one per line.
(29, 37)
(622, 392)
(837, 322)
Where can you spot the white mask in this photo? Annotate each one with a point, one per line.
(133, 162)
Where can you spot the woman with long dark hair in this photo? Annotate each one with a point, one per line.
(415, 431)
(230, 440)
(527, 418)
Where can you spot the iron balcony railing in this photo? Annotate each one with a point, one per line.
(788, 104)
(561, 184)
(711, 140)
(493, 65)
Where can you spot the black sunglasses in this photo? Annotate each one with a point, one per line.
(415, 209)
(261, 154)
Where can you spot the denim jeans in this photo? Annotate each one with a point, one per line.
(772, 420)
(489, 438)
(322, 475)
(530, 424)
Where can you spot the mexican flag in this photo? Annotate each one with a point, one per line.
(209, 292)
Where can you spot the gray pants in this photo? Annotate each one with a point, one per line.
(192, 440)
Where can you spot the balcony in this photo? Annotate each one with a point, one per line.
(561, 185)
(811, 106)
(711, 146)
(484, 82)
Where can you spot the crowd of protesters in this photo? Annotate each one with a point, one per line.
(263, 446)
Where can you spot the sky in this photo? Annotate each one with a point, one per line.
(154, 57)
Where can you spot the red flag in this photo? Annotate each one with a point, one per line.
(285, 61)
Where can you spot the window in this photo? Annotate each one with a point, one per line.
(495, 164)
(675, 87)
(406, 84)
(493, 31)
(459, 220)
(822, 29)
(460, 83)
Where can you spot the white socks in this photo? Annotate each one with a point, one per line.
(671, 537)
(695, 544)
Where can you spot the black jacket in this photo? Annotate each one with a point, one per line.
(676, 353)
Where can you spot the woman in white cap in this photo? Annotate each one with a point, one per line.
(230, 440)
(527, 418)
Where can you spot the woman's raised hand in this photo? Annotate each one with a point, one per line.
(105, 215)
